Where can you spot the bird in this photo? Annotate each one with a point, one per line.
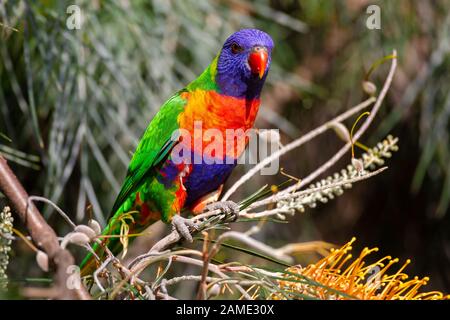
(158, 186)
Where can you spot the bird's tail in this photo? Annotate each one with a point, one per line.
(90, 263)
(134, 221)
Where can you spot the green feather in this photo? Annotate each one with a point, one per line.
(154, 147)
(207, 80)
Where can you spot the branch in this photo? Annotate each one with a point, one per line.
(289, 195)
(41, 233)
(255, 244)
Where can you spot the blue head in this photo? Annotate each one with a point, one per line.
(243, 63)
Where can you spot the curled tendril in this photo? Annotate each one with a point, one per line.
(353, 128)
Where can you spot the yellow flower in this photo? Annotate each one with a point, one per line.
(356, 279)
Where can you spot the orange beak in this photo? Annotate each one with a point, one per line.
(257, 60)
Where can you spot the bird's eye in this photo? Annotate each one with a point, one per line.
(235, 48)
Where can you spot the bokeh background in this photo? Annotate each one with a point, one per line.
(73, 104)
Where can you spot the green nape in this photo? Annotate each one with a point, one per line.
(207, 80)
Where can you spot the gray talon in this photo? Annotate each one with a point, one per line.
(182, 225)
(230, 208)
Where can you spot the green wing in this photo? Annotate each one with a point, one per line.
(153, 148)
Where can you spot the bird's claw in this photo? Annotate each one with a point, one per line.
(182, 225)
(230, 208)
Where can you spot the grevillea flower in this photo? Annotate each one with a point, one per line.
(6, 232)
(337, 276)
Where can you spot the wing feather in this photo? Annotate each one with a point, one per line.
(153, 149)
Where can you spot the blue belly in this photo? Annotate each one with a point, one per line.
(202, 179)
(205, 178)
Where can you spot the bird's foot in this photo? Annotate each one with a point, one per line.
(230, 208)
(182, 225)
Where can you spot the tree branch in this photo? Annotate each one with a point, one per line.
(41, 233)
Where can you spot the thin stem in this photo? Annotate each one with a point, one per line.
(202, 287)
(289, 195)
(353, 128)
(58, 209)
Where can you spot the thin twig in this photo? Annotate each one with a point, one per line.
(58, 209)
(177, 280)
(285, 195)
(243, 238)
(213, 268)
(202, 286)
(100, 269)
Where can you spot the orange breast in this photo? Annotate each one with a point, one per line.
(215, 115)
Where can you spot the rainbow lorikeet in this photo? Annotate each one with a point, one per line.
(225, 96)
